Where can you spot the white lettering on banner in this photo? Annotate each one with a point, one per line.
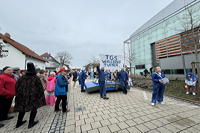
(112, 62)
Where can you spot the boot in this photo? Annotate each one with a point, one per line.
(20, 121)
(19, 124)
(32, 118)
(32, 124)
(105, 98)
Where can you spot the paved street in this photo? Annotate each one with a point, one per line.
(130, 113)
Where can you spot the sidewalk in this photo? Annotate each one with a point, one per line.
(130, 113)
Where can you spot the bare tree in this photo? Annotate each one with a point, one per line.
(93, 62)
(129, 56)
(190, 23)
(64, 58)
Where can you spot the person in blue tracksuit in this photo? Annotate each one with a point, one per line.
(158, 86)
(123, 80)
(82, 78)
(102, 78)
(108, 75)
(61, 90)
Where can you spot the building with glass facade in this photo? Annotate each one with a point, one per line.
(169, 22)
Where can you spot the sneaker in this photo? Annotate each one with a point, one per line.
(193, 93)
(153, 104)
(105, 98)
(187, 92)
(20, 124)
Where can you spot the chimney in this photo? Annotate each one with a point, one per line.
(7, 35)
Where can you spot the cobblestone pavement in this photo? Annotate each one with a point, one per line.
(130, 113)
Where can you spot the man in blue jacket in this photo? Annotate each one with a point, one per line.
(61, 90)
(158, 86)
(102, 78)
(82, 78)
(123, 79)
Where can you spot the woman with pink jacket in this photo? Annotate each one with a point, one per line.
(50, 87)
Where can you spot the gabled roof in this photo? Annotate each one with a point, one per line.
(25, 50)
(45, 55)
(49, 55)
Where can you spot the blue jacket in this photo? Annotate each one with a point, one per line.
(102, 75)
(61, 85)
(107, 75)
(123, 78)
(82, 77)
(193, 76)
(156, 77)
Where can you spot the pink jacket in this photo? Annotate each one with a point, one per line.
(50, 83)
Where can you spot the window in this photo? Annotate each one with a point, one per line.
(140, 66)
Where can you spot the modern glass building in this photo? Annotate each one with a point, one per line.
(168, 22)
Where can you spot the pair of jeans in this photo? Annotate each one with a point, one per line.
(125, 87)
(158, 92)
(102, 89)
(83, 85)
(31, 118)
(64, 102)
(5, 104)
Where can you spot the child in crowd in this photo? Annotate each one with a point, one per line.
(190, 83)
(50, 87)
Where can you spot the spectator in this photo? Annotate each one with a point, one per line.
(145, 72)
(22, 73)
(82, 78)
(190, 81)
(123, 79)
(91, 75)
(75, 76)
(50, 87)
(16, 72)
(61, 90)
(7, 92)
(42, 77)
(29, 96)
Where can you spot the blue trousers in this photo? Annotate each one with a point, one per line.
(102, 88)
(158, 92)
(82, 85)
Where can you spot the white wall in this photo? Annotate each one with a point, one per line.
(37, 63)
(15, 57)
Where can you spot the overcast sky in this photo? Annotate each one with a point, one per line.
(85, 28)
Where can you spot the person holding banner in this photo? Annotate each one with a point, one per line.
(159, 80)
(102, 78)
(123, 79)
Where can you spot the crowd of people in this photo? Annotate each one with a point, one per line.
(103, 76)
(30, 89)
(27, 90)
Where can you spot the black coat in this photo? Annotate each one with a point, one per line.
(29, 93)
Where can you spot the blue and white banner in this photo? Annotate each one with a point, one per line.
(111, 62)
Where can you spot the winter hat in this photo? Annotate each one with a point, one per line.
(62, 69)
(5, 68)
(30, 68)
